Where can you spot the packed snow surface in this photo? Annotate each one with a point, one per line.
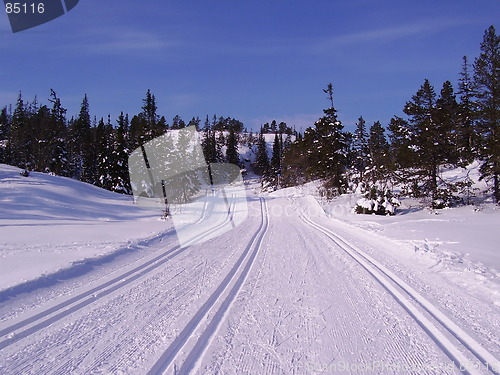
(92, 284)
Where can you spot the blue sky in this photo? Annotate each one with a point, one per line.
(253, 60)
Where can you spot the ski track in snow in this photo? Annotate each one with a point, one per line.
(277, 295)
(395, 286)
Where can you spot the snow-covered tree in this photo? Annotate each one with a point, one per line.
(487, 85)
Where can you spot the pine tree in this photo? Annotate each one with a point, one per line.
(403, 154)
(81, 144)
(360, 147)
(262, 159)
(59, 156)
(41, 123)
(447, 111)
(425, 135)
(5, 123)
(467, 114)
(209, 143)
(178, 123)
(232, 155)
(152, 126)
(487, 85)
(104, 162)
(379, 152)
(20, 138)
(276, 156)
(327, 148)
(119, 176)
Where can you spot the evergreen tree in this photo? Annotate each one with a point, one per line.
(152, 126)
(195, 121)
(4, 134)
(276, 156)
(104, 162)
(147, 125)
(402, 151)
(20, 138)
(360, 147)
(41, 123)
(118, 173)
(232, 155)
(209, 144)
(59, 156)
(178, 123)
(379, 152)
(487, 85)
(447, 111)
(467, 113)
(425, 134)
(262, 159)
(327, 148)
(81, 144)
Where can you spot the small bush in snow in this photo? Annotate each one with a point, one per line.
(377, 202)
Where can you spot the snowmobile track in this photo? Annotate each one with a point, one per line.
(236, 276)
(24, 328)
(412, 301)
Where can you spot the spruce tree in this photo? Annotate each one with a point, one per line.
(232, 155)
(59, 155)
(425, 135)
(487, 85)
(379, 152)
(20, 137)
(262, 159)
(4, 134)
(327, 148)
(276, 156)
(360, 147)
(467, 114)
(104, 162)
(82, 158)
(119, 176)
(403, 154)
(447, 111)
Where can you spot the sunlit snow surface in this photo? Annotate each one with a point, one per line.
(204, 200)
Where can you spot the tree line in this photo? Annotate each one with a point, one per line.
(446, 128)
(439, 129)
(38, 137)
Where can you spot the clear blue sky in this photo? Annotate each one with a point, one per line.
(254, 60)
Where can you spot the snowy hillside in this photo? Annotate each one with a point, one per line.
(48, 223)
(292, 290)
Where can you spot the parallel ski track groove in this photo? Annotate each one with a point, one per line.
(63, 309)
(170, 354)
(383, 275)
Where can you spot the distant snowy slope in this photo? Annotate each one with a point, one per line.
(44, 197)
(48, 223)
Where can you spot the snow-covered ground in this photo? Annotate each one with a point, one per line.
(48, 223)
(292, 290)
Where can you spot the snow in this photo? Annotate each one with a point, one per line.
(302, 286)
(48, 223)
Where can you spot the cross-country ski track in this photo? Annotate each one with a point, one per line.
(283, 293)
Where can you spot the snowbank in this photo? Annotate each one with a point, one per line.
(48, 223)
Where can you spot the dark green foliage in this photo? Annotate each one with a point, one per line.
(20, 137)
(487, 91)
(403, 153)
(232, 155)
(427, 135)
(262, 159)
(360, 150)
(379, 152)
(327, 148)
(466, 140)
(81, 147)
